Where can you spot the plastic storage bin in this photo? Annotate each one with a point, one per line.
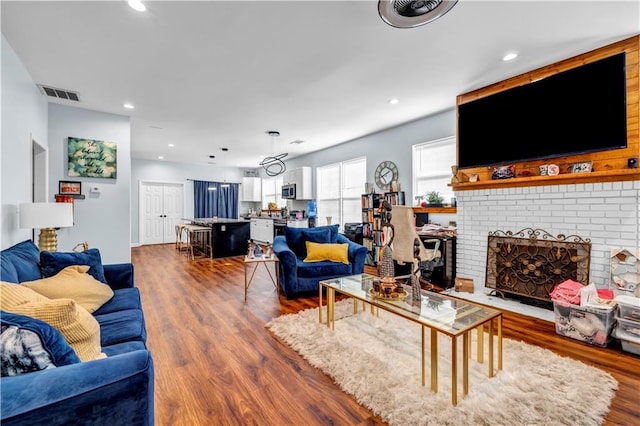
(584, 323)
(630, 343)
(629, 326)
(629, 307)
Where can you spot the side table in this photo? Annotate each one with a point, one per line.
(257, 261)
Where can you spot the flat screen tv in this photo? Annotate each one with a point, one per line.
(576, 111)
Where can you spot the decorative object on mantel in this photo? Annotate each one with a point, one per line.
(553, 170)
(584, 167)
(473, 177)
(92, 158)
(273, 165)
(529, 263)
(454, 172)
(504, 172)
(542, 169)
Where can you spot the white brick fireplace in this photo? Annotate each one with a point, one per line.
(606, 213)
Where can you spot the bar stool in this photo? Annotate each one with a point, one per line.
(181, 230)
(199, 239)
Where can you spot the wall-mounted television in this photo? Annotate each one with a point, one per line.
(576, 111)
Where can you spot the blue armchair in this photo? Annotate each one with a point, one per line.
(298, 276)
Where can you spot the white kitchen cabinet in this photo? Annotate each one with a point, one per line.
(302, 179)
(262, 230)
(251, 189)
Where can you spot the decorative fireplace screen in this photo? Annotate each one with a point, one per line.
(531, 262)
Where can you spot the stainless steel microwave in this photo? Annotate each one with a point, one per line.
(289, 191)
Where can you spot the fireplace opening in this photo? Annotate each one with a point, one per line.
(528, 264)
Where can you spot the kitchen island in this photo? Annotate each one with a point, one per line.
(229, 237)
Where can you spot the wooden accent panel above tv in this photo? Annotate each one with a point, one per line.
(607, 165)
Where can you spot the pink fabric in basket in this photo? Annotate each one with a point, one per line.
(567, 291)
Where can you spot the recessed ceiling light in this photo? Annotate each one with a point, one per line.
(393, 101)
(509, 56)
(128, 106)
(212, 156)
(296, 142)
(160, 157)
(224, 149)
(137, 5)
(171, 145)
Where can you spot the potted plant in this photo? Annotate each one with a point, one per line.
(435, 199)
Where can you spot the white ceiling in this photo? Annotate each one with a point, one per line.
(211, 74)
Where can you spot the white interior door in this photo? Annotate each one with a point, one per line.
(173, 198)
(161, 208)
(152, 195)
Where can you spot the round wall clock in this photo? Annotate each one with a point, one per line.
(385, 173)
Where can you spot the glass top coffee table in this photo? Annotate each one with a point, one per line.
(438, 313)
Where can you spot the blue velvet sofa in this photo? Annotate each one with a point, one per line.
(296, 275)
(115, 390)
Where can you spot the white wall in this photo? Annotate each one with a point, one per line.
(607, 213)
(391, 144)
(165, 171)
(24, 118)
(100, 219)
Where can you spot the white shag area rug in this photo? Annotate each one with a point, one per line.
(377, 360)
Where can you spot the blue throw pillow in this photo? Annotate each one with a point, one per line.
(20, 262)
(53, 262)
(297, 237)
(28, 344)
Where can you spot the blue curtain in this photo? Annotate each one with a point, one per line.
(215, 199)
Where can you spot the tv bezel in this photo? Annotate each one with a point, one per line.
(556, 154)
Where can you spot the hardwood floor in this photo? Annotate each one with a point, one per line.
(216, 363)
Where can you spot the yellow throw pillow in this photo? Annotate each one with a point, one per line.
(79, 328)
(73, 282)
(319, 252)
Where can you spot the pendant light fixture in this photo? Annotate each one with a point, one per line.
(273, 165)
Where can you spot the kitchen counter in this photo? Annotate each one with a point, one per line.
(229, 237)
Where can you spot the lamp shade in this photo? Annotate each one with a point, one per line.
(45, 215)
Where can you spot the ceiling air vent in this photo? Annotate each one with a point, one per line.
(60, 93)
(412, 13)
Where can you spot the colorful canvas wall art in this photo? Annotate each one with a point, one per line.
(92, 158)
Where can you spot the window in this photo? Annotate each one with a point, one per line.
(339, 187)
(272, 192)
(432, 163)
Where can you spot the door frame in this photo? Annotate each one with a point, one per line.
(141, 183)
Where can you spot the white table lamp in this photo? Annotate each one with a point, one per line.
(46, 217)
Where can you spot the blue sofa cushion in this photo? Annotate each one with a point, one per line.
(322, 269)
(123, 299)
(53, 262)
(297, 237)
(28, 345)
(123, 348)
(121, 326)
(20, 263)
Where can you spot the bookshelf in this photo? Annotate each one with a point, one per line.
(371, 233)
(394, 198)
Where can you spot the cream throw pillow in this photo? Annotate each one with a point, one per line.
(73, 282)
(79, 328)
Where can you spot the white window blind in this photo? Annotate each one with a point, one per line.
(432, 163)
(338, 191)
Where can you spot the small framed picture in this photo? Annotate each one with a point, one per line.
(66, 187)
(584, 167)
